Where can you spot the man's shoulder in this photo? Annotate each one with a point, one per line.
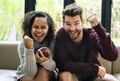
(90, 33)
(88, 30)
(61, 31)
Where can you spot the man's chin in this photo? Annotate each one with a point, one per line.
(73, 38)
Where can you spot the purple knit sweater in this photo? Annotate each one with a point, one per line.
(82, 58)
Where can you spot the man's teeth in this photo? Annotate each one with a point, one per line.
(72, 32)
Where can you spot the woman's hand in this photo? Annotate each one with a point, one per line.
(40, 57)
(28, 42)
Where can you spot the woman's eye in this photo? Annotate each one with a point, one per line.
(43, 27)
(36, 27)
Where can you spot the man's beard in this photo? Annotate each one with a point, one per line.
(74, 37)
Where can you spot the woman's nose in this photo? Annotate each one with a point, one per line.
(39, 30)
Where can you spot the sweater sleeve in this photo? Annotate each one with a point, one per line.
(106, 46)
(27, 65)
(49, 64)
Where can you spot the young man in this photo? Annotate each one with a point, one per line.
(77, 48)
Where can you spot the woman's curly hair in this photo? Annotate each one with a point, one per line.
(28, 22)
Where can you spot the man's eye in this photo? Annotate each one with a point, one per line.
(67, 24)
(76, 23)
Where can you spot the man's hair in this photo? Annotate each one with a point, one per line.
(72, 10)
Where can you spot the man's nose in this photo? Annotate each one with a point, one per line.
(72, 27)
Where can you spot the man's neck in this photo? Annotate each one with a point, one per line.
(79, 39)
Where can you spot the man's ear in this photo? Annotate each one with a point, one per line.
(63, 22)
(83, 22)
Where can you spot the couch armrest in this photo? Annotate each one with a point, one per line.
(8, 55)
(106, 64)
(116, 64)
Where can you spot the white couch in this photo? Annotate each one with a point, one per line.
(9, 62)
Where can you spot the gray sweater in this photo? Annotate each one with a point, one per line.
(28, 66)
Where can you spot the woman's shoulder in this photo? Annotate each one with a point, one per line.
(21, 45)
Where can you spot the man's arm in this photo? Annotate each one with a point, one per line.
(107, 48)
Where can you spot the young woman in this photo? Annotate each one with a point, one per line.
(38, 31)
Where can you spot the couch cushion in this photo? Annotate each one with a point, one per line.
(117, 76)
(8, 75)
(116, 64)
(107, 64)
(109, 77)
(9, 58)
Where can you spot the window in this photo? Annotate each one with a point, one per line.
(89, 7)
(115, 24)
(94, 6)
(11, 12)
(54, 8)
